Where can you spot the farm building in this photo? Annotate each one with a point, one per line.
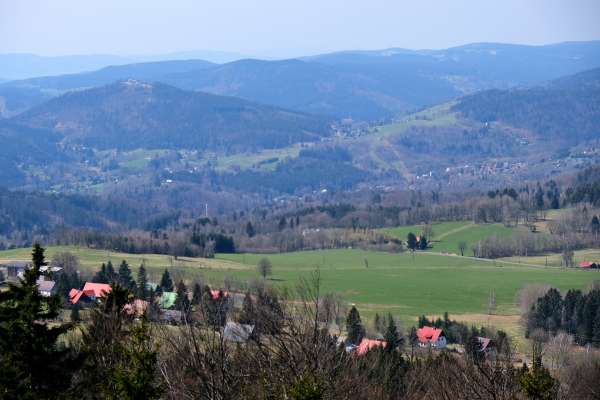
(431, 337)
(239, 333)
(167, 300)
(15, 269)
(367, 344)
(589, 264)
(90, 292)
(46, 288)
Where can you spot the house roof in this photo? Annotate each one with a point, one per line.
(167, 300)
(367, 344)
(586, 264)
(45, 286)
(90, 289)
(237, 332)
(485, 342)
(428, 334)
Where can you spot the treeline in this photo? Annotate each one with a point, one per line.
(577, 314)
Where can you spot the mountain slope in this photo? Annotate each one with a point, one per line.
(567, 108)
(366, 85)
(18, 96)
(131, 114)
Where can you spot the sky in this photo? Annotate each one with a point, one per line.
(285, 27)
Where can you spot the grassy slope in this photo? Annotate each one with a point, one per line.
(447, 235)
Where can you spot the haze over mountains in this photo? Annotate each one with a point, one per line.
(472, 116)
(364, 85)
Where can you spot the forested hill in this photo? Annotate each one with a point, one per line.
(132, 114)
(567, 108)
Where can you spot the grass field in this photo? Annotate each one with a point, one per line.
(402, 284)
(447, 235)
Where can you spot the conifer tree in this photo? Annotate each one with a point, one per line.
(125, 278)
(142, 283)
(197, 294)
(101, 276)
(391, 336)
(411, 241)
(166, 283)
(354, 327)
(182, 303)
(111, 275)
(32, 365)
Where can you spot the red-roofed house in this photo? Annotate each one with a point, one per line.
(587, 264)
(432, 337)
(90, 292)
(367, 344)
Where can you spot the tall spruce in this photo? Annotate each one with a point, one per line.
(32, 363)
(166, 283)
(392, 337)
(354, 327)
(142, 283)
(197, 294)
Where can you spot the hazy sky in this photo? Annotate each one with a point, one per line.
(285, 27)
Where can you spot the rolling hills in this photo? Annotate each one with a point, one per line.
(365, 85)
(132, 114)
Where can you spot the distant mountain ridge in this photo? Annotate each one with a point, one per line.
(364, 85)
(133, 114)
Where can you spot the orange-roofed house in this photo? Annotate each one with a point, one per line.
(90, 292)
(431, 337)
(367, 344)
(217, 293)
(587, 264)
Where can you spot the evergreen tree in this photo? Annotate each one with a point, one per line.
(166, 283)
(539, 198)
(537, 383)
(197, 294)
(391, 336)
(111, 275)
(32, 364)
(423, 243)
(182, 303)
(595, 225)
(411, 241)
(142, 283)
(555, 202)
(101, 276)
(125, 278)
(354, 327)
(250, 229)
(282, 223)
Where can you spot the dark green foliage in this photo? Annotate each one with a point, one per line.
(142, 283)
(576, 314)
(250, 229)
(423, 243)
(455, 331)
(33, 364)
(354, 327)
(166, 283)
(101, 276)
(595, 225)
(537, 383)
(124, 276)
(183, 302)
(411, 241)
(111, 275)
(392, 337)
(307, 387)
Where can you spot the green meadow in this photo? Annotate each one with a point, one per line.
(448, 235)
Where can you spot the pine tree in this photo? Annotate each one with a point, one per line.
(391, 336)
(423, 243)
(411, 241)
(282, 224)
(595, 225)
(125, 278)
(166, 283)
(31, 363)
(182, 303)
(354, 327)
(111, 275)
(101, 276)
(250, 229)
(142, 283)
